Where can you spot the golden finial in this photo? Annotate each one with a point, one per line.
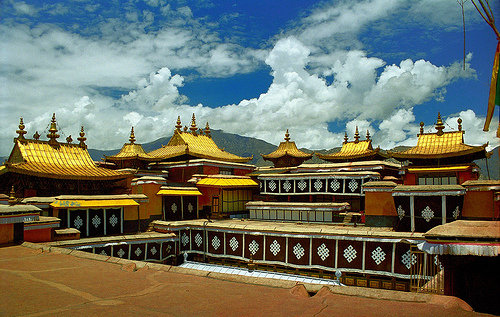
(207, 131)
(367, 135)
(178, 126)
(421, 127)
(287, 136)
(193, 125)
(12, 196)
(185, 128)
(53, 135)
(82, 139)
(36, 136)
(345, 138)
(459, 124)
(69, 139)
(21, 131)
(356, 135)
(132, 136)
(439, 125)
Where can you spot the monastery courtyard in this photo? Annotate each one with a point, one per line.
(41, 281)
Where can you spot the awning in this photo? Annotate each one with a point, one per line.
(179, 192)
(438, 169)
(95, 203)
(227, 182)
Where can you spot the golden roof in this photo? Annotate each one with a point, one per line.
(52, 159)
(131, 151)
(440, 144)
(287, 148)
(353, 151)
(227, 181)
(197, 143)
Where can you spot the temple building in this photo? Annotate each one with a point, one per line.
(440, 158)
(354, 151)
(287, 154)
(131, 155)
(50, 168)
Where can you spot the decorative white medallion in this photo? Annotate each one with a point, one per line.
(233, 243)
(302, 185)
(198, 239)
(274, 247)
(287, 186)
(401, 212)
(96, 221)
(298, 250)
(113, 220)
(272, 185)
(103, 252)
(456, 213)
(174, 207)
(350, 253)
(408, 259)
(378, 255)
(190, 207)
(138, 251)
(153, 250)
(323, 252)
(335, 185)
(437, 262)
(253, 247)
(216, 242)
(427, 213)
(78, 222)
(353, 185)
(184, 239)
(120, 253)
(318, 184)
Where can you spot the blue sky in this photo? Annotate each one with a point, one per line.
(256, 68)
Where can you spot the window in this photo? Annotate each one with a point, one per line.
(437, 180)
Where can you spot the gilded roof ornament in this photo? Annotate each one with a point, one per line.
(178, 126)
(132, 136)
(439, 125)
(69, 139)
(36, 136)
(287, 136)
(12, 196)
(193, 125)
(207, 131)
(53, 135)
(421, 128)
(345, 138)
(367, 135)
(82, 139)
(459, 124)
(21, 131)
(356, 135)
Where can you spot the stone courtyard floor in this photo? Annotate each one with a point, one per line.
(37, 280)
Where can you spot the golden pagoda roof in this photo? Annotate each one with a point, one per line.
(53, 159)
(130, 151)
(197, 143)
(287, 148)
(353, 151)
(440, 144)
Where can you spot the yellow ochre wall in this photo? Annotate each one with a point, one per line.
(379, 204)
(148, 209)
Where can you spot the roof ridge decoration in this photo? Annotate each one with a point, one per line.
(36, 136)
(193, 127)
(207, 131)
(132, 136)
(448, 147)
(53, 135)
(346, 138)
(356, 135)
(178, 126)
(82, 139)
(287, 154)
(21, 130)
